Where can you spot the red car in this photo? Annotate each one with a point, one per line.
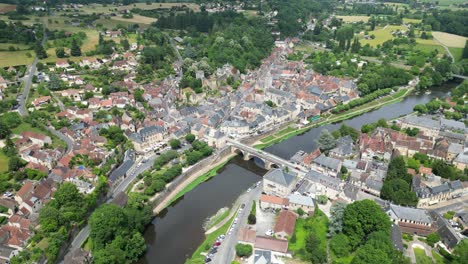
(217, 244)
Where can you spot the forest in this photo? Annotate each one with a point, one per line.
(448, 21)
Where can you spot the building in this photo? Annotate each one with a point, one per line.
(411, 220)
(275, 202)
(277, 182)
(147, 138)
(285, 224)
(297, 201)
(276, 246)
(327, 165)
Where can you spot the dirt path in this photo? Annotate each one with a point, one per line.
(163, 204)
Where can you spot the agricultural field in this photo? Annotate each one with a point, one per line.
(456, 53)
(381, 35)
(351, 19)
(446, 3)
(4, 8)
(14, 58)
(97, 8)
(6, 46)
(450, 40)
(137, 19)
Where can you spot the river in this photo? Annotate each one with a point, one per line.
(177, 231)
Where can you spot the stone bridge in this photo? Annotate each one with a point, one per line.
(271, 161)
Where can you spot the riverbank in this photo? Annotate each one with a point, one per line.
(289, 131)
(190, 183)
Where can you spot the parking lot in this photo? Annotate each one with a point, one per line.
(265, 220)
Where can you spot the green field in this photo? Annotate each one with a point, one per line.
(3, 162)
(15, 58)
(421, 257)
(411, 20)
(446, 2)
(457, 53)
(381, 35)
(318, 223)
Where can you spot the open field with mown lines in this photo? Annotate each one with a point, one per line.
(4, 8)
(350, 19)
(450, 40)
(97, 8)
(381, 35)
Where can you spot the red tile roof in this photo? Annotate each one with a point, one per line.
(268, 243)
(286, 222)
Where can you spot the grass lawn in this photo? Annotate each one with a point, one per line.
(318, 224)
(457, 53)
(266, 139)
(342, 260)
(381, 35)
(6, 46)
(421, 257)
(14, 58)
(284, 131)
(211, 173)
(3, 162)
(137, 19)
(411, 20)
(351, 19)
(430, 48)
(438, 258)
(209, 240)
(56, 142)
(450, 40)
(218, 219)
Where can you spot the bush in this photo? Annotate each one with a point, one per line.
(243, 250)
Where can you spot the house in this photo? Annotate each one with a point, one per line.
(147, 138)
(6, 253)
(327, 165)
(62, 64)
(411, 220)
(276, 246)
(277, 182)
(275, 202)
(41, 100)
(265, 257)
(285, 224)
(3, 83)
(297, 201)
(431, 195)
(36, 138)
(90, 62)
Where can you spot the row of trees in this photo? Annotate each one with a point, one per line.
(368, 98)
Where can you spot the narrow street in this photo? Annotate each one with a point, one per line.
(227, 252)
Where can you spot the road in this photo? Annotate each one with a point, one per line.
(23, 99)
(66, 139)
(226, 252)
(135, 170)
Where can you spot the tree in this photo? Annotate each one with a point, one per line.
(190, 138)
(361, 218)
(317, 253)
(300, 211)
(370, 255)
(106, 223)
(433, 238)
(243, 250)
(336, 218)
(125, 44)
(252, 219)
(50, 219)
(4, 130)
(420, 108)
(40, 51)
(174, 143)
(60, 52)
(75, 49)
(460, 252)
(15, 163)
(465, 50)
(339, 244)
(326, 141)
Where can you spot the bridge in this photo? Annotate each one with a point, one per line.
(270, 160)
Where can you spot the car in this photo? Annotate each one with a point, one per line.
(248, 190)
(213, 250)
(229, 233)
(259, 182)
(211, 255)
(217, 244)
(207, 260)
(242, 206)
(222, 236)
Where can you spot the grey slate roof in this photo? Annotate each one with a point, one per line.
(328, 162)
(422, 121)
(280, 177)
(262, 257)
(121, 170)
(408, 213)
(300, 199)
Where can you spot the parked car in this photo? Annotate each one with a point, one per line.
(207, 260)
(242, 206)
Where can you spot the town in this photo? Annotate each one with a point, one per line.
(99, 145)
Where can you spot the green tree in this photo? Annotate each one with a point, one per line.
(370, 255)
(433, 238)
(40, 51)
(326, 141)
(465, 50)
(50, 219)
(339, 244)
(190, 138)
(317, 253)
(243, 250)
(60, 52)
(15, 163)
(174, 143)
(336, 218)
(125, 44)
(75, 49)
(252, 219)
(106, 223)
(361, 218)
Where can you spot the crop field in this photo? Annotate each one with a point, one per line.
(137, 19)
(450, 40)
(97, 8)
(351, 19)
(5, 8)
(381, 35)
